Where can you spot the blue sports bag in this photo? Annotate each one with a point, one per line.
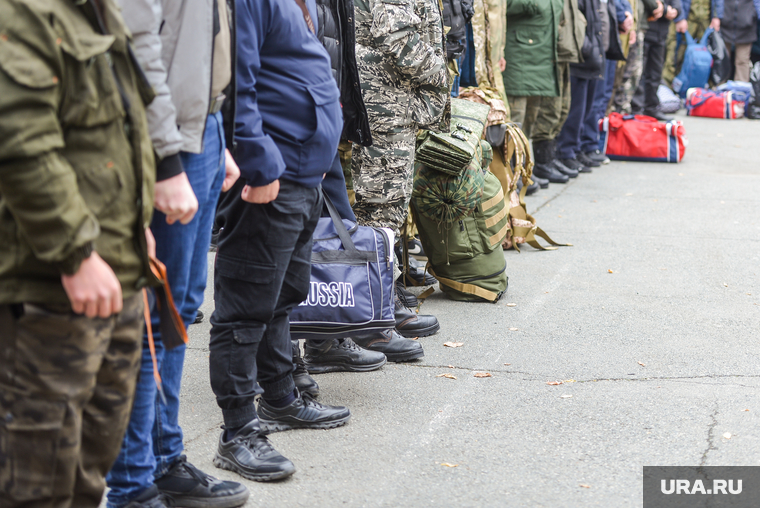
(351, 287)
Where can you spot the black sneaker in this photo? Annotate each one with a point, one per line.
(414, 248)
(587, 161)
(569, 167)
(395, 347)
(302, 413)
(340, 355)
(410, 324)
(598, 156)
(252, 456)
(187, 486)
(149, 498)
(542, 182)
(198, 318)
(303, 381)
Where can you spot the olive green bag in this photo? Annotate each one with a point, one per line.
(463, 245)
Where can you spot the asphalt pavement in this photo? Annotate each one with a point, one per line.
(650, 321)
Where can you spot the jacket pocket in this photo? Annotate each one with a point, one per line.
(99, 185)
(244, 270)
(318, 150)
(30, 437)
(24, 67)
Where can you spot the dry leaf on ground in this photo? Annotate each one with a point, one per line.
(610, 271)
(511, 305)
(585, 485)
(448, 465)
(453, 344)
(451, 366)
(447, 376)
(568, 381)
(554, 383)
(513, 329)
(727, 435)
(745, 409)
(566, 396)
(643, 365)
(482, 374)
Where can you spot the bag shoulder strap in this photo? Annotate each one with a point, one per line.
(340, 228)
(470, 289)
(306, 15)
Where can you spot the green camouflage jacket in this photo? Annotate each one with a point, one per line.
(76, 162)
(402, 63)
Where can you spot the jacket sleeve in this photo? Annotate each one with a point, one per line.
(527, 8)
(621, 7)
(38, 185)
(682, 7)
(143, 18)
(650, 6)
(717, 8)
(257, 155)
(395, 33)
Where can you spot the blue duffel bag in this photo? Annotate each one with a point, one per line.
(351, 287)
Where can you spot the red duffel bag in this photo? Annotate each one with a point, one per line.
(709, 104)
(642, 138)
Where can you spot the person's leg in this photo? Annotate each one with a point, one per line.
(67, 384)
(517, 107)
(638, 99)
(184, 250)
(334, 187)
(568, 139)
(595, 111)
(672, 66)
(631, 75)
(742, 62)
(653, 75)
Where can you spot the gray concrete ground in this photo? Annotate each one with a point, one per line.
(651, 319)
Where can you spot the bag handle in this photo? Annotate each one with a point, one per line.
(340, 228)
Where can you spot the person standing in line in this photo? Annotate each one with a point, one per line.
(186, 52)
(738, 26)
(76, 198)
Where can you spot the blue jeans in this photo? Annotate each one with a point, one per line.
(154, 438)
(581, 102)
(602, 95)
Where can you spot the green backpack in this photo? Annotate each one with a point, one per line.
(464, 254)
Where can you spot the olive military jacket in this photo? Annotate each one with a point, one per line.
(76, 161)
(531, 47)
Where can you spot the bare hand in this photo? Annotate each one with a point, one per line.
(671, 14)
(261, 195)
(715, 24)
(176, 199)
(150, 242)
(94, 290)
(682, 26)
(632, 37)
(231, 171)
(658, 12)
(627, 23)
(502, 64)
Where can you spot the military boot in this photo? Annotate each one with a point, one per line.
(395, 347)
(409, 324)
(303, 381)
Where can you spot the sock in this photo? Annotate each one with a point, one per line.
(282, 402)
(230, 432)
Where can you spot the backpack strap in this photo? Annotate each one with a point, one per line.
(707, 34)
(470, 289)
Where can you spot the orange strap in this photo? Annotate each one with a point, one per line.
(151, 343)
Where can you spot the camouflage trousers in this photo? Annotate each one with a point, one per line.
(66, 389)
(543, 117)
(382, 178)
(628, 75)
(344, 151)
(698, 24)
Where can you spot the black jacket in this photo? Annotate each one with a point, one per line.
(658, 30)
(454, 17)
(336, 30)
(593, 47)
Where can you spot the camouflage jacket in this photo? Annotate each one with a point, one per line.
(402, 63)
(76, 161)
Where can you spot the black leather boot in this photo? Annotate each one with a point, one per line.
(410, 324)
(340, 355)
(303, 381)
(395, 347)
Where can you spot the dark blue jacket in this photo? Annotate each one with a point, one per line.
(288, 121)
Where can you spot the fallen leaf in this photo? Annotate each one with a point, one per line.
(566, 396)
(559, 216)
(513, 329)
(749, 294)
(569, 381)
(745, 409)
(725, 285)
(585, 486)
(511, 364)
(629, 194)
(727, 435)
(482, 374)
(447, 376)
(448, 465)
(453, 344)
(643, 365)
(610, 271)
(722, 202)
(451, 367)
(554, 383)
(511, 305)
(680, 174)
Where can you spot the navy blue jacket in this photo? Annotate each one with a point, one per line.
(288, 121)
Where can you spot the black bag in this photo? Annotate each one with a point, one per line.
(753, 108)
(721, 67)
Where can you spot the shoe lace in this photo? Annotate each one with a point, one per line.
(347, 343)
(300, 365)
(257, 442)
(193, 471)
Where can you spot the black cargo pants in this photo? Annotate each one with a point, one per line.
(262, 271)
